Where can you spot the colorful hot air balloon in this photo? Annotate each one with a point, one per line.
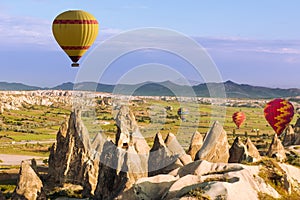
(279, 113)
(238, 118)
(75, 31)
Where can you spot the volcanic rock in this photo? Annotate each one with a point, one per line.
(128, 132)
(153, 187)
(97, 143)
(276, 150)
(196, 144)
(297, 126)
(70, 155)
(212, 180)
(122, 163)
(253, 154)
(227, 180)
(215, 146)
(289, 136)
(161, 159)
(237, 152)
(176, 149)
(29, 185)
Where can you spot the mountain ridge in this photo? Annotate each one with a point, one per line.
(166, 88)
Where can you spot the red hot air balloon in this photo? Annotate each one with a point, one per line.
(279, 113)
(238, 118)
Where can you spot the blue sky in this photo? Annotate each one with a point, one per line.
(254, 42)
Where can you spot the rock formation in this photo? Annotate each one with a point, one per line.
(98, 143)
(128, 132)
(297, 126)
(276, 150)
(253, 154)
(237, 152)
(215, 145)
(29, 185)
(70, 157)
(296, 136)
(212, 180)
(161, 159)
(289, 136)
(122, 163)
(196, 144)
(176, 149)
(153, 187)
(14, 100)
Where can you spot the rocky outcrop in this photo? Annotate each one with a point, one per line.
(119, 169)
(161, 159)
(122, 163)
(297, 139)
(253, 154)
(29, 185)
(98, 143)
(215, 146)
(292, 135)
(289, 136)
(237, 152)
(90, 177)
(297, 126)
(153, 187)
(128, 132)
(195, 145)
(14, 100)
(212, 180)
(70, 157)
(276, 150)
(176, 149)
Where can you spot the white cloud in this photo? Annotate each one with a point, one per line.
(235, 44)
(24, 30)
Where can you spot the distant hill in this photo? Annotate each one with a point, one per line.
(16, 86)
(168, 88)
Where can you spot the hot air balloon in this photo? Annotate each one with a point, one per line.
(75, 31)
(238, 118)
(279, 113)
(182, 113)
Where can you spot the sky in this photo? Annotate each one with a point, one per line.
(251, 42)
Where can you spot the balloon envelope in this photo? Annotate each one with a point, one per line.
(238, 118)
(279, 113)
(75, 31)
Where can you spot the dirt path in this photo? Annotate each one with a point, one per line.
(8, 159)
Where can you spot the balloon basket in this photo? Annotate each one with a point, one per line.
(75, 65)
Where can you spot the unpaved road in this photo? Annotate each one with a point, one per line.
(8, 159)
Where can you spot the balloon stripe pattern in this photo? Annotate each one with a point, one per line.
(75, 47)
(238, 118)
(75, 21)
(279, 113)
(75, 31)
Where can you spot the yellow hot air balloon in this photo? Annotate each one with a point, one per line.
(75, 31)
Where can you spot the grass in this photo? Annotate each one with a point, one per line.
(37, 120)
(7, 189)
(27, 149)
(199, 194)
